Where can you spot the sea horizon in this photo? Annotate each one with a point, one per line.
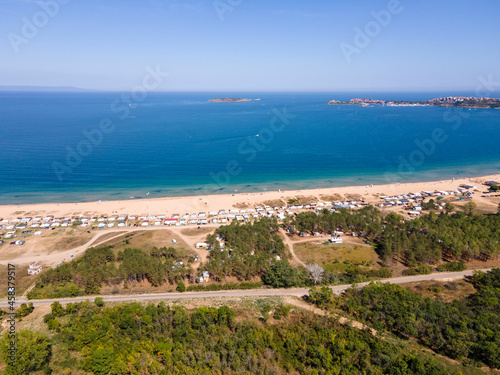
(76, 90)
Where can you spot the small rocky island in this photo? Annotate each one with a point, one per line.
(449, 101)
(229, 100)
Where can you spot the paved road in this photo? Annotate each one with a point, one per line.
(238, 293)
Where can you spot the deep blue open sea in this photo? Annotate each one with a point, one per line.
(171, 144)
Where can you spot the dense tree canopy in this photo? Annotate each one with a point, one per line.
(421, 241)
(427, 239)
(156, 339)
(248, 251)
(98, 267)
(33, 352)
(281, 275)
(468, 330)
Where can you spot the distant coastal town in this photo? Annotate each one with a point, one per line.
(230, 100)
(449, 101)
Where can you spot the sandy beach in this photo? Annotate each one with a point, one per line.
(205, 203)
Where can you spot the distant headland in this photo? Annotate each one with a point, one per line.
(449, 101)
(230, 100)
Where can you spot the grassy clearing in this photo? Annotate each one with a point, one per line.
(192, 232)
(34, 321)
(146, 240)
(317, 252)
(445, 291)
(8, 252)
(64, 240)
(23, 280)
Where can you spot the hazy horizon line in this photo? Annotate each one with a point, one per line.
(28, 88)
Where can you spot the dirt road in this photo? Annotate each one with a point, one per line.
(447, 276)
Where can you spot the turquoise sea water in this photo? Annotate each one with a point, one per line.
(171, 144)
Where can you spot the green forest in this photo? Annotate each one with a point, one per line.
(158, 339)
(99, 266)
(249, 249)
(467, 330)
(425, 240)
(256, 250)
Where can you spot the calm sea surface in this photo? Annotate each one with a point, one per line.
(61, 147)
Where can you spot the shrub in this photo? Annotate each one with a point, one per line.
(410, 272)
(53, 324)
(57, 309)
(250, 285)
(47, 317)
(383, 273)
(419, 270)
(281, 311)
(25, 310)
(452, 267)
(281, 275)
(181, 287)
(323, 298)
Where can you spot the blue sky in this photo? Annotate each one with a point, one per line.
(254, 45)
